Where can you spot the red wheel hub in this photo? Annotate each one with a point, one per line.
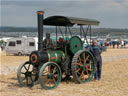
(86, 66)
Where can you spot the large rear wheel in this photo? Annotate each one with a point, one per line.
(82, 66)
(27, 74)
(50, 75)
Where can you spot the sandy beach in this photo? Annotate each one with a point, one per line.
(114, 78)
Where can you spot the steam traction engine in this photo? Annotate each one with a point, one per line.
(63, 56)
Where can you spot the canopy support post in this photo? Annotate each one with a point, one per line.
(80, 30)
(66, 32)
(90, 33)
(85, 34)
(70, 31)
(56, 34)
(61, 32)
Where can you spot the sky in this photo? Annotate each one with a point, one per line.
(22, 13)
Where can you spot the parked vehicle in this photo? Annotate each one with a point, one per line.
(21, 46)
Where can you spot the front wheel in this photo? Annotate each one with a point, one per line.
(50, 75)
(27, 74)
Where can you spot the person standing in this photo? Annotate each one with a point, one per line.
(2, 46)
(98, 43)
(110, 44)
(118, 43)
(113, 43)
(122, 43)
(96, 51)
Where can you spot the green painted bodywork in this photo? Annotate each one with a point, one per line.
(75, 44)
(56, 56)
(65, 38)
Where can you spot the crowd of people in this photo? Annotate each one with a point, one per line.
(112, 44)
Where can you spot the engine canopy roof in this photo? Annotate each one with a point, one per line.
(68, 21)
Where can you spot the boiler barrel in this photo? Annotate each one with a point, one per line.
(56, 56)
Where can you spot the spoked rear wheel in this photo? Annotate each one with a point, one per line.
(82, 66)
(27, 74)
(50, 75)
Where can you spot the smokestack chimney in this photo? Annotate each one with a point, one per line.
(40, 16)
